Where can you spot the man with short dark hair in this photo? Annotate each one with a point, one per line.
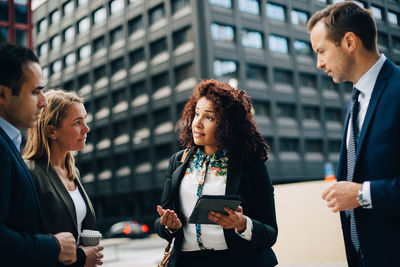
(367, 193)
(22, 242)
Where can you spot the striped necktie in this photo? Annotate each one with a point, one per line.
(351, 160)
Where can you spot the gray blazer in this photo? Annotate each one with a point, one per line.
(58, 209)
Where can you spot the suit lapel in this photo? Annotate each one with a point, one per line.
(380, 85)
(178, 174)
(90, 213)
(235, 170)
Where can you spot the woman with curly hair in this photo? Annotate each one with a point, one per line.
(225, 156)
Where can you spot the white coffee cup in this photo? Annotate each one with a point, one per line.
(90, 238)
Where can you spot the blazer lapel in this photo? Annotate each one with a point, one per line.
(235, 170)
(178, 174)
(380, 85)
(90, 214)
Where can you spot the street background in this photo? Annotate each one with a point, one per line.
(309, 233)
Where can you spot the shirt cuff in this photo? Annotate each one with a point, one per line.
(366, 191)
(248, 233)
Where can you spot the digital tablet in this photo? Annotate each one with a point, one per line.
(207, 203)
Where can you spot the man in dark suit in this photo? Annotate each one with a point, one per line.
(22, 242)
(344, 36)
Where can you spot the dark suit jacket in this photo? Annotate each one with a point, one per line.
(250, 180)
(22, 238)
(377, 160)
(58, 209)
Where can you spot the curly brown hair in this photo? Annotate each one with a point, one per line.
(236, 131)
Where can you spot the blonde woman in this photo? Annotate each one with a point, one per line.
(64, 203)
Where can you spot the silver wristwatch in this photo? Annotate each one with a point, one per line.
(363, 201)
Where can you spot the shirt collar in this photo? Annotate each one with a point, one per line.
(12, 132)
(367, 82)
(220, 154)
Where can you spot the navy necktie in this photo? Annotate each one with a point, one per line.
(351, 160)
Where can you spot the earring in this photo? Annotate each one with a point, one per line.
(54, 138)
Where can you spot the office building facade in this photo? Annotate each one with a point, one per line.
(136, 62)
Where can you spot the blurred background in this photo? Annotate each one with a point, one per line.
(136, 61)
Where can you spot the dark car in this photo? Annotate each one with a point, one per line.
(128, 228)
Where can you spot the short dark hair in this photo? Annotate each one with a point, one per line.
(347, 17)
(13, 58)
(236, 131)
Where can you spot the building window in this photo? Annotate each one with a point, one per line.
(99, 43)
(158, 47)
(221, 3)
(299, 18)
(21, 37)
(283, 76)
(81, 2)
(313, 146)
(55, 41)
(69, 59)
(393, 18)
(54, 16)
(252, 39)
(116, 34)
(68, 8)
(21, 14)
(42, 49)
(4, 11)
(136, 56)
(138, 89)
(117, 65)
(184, 72)
(249, 6)
(83, 80)
(289, 145)
(55, 67)
(383, 40)
(156, 14)
(99, 73)
(69, 86)
(262, 109)
(286, 111)
(396, 43)
(99, 15)
(377, 13)
(278, 44)
(224, 68)
(116, 6)
(275, 12)
(135, 24)
(328, 84)
(256, 72)
(41, 25)
(179, 4)
(69, 33)
(182, 36)
(307, 80)
(334, 146)
(302, 48)
(222, 33)
(83, 25)
(310, 113)
(118, 97)
(333, 114)
(3, 34)
(84, 52)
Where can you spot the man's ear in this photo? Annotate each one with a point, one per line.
(350, 41)
(4, 93)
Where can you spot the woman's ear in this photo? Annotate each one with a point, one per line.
(51, 132)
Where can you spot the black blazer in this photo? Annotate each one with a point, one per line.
(250, 180)
(58, 209)
(377, 160)
(22, 238)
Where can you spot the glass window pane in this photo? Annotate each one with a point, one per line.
(158, 47)
(68, 8)
(81, 2)
(116, 6)
(135, 24)
(21, 37)
(55, 41)
(278, 44)
(275, 12)
(3, 34)
(302, 48)
(377, 12)
(84, 52)
(83, 25)
(56, 67)
(3, 11)
(222, 32)
(224, 68)
(222, 3)
(99, 15)
(41, 26)
(21, 14)
(252, 39)
(299, 18)
(393, 18)
(70, 59)
(20, 2)
(116, 35)
(54, 17)
(99, 43)
(182, 36)
(42, 49)
(69, 33)
(156, 14)
(249, 6)
(179, 4)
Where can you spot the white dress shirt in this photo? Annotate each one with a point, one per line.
(366, 85)
(12, 132)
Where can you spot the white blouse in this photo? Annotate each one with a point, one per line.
(80, 207)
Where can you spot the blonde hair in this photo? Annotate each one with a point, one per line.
(38, 143)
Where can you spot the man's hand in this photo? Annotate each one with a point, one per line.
(93, 257)
(342, 196)
(169, 218)
(234, 219)
(67, 248)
